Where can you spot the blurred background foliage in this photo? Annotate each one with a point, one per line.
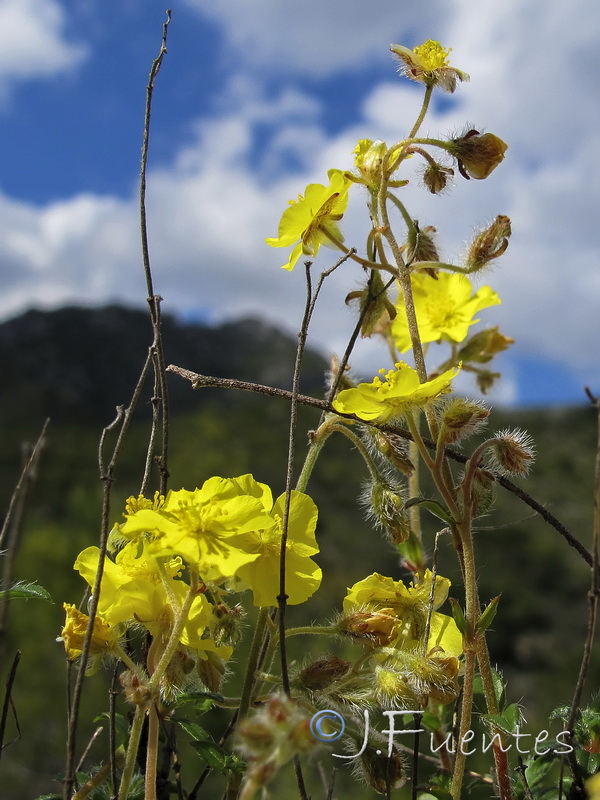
(76, 365)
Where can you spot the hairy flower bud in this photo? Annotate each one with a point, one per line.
(324, 671)
(483, 346)
(386, 505)
(226, 626)
(211, 670)
(373, 628)
(477, 154)
(489, 243)
(420, 246)
(462, 418)
(376, 309)
(136, 692)
(436, 177)
(482, 493)
(513, 452)
(392, 448)
(380, 772)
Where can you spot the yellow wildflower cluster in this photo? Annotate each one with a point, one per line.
(227, 534)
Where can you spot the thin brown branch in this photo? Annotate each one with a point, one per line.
(8, 701)
(206, 381)
(592, 610)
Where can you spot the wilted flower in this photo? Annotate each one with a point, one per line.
(477, 154)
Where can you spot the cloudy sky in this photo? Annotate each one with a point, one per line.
(256, 99)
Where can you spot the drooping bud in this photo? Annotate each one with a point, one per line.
(372, 628)
(486, 379)
(436, 177)
(392, 448)
(513, 452)
(420, 246)
(323, 672)
(211, 670)
(386, 505)
(381, 771)
(376, 309)
(226, 626)
(483, 346)
(477, 154)
(482, 493)
(462, 418)
(489, 244)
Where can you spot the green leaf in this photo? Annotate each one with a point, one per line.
(432, 506)
(435, 793)
(507, 721)
(217, 758)
(431, 721)
(498, 683)
(197, 732)
(459, 617)
(202, 701)
(487, 616)
(26, 591)
(537, 770)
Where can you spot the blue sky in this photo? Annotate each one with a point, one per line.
(256, 99)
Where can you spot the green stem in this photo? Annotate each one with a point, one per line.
(465, 724)
(175, 635)
(320, 436)
(308, 629)
(253, 657)
(132, 750)
(151, 754)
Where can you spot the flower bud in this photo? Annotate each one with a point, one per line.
(420, 246)
(381, 771)
(387, 507)
(373, 628)
(392, 448)
(513, 452)
(477, 154)
(376, 309)
(211, 670)
(136, 692)
(226, 626)
(462, 418)
(486, 379)
(436, 177)
(483, 346)
(368, 160)
(489, 244)
(482, 493)
(323, 672)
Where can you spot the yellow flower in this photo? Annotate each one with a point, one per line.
(593, 787)
(399, 390)
(133, 591)
(198, 525)
(302, 574)
(103, 640)
(444, 306)
(411, 605)
(311, 219)
(428, 63)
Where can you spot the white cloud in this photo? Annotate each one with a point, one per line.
(211, 210)
(33, 41)
(315, 37)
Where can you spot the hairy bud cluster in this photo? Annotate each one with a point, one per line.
(462, 418)
(512, 452)
(489, 243)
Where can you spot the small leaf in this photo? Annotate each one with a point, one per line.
(498, 687)
(507, 721)
(488, 614)
(215, 756)
(435, 793)
(197, 732)
(432, 506)
(26, 591)
(459, 617)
